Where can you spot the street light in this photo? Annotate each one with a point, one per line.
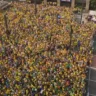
(6, 25)
(6, 22)
(71, 32)
(82, 11)
(35, 4)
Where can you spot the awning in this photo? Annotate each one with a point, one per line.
(91, 12)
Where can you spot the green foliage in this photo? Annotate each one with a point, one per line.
(93, 4)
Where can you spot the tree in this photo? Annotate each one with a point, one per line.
(93, 4)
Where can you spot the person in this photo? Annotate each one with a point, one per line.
(37, 49)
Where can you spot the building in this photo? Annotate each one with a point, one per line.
(73, 3)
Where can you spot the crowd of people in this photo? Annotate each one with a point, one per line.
(43, 54)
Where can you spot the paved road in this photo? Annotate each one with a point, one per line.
(92, 82)
(94, 61)
(92, 89)
(92, 71)
(94, 51)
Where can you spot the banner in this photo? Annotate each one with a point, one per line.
(22, 0)
(66, 0)
(93, 13)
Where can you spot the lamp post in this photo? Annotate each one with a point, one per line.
(57, 18)
(35, 4)
(6, 22)
(82, 12)
(6, 25)
(31, 1)
(71, 32)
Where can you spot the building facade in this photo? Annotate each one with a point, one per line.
(73, 3)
